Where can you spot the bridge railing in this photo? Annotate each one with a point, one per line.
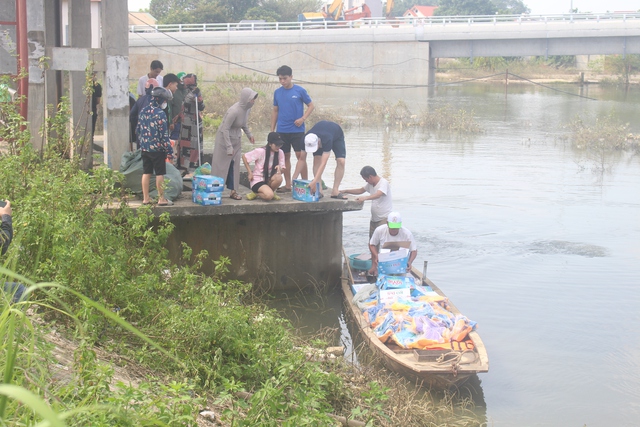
(383, 22)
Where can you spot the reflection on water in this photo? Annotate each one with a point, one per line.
(524, 237)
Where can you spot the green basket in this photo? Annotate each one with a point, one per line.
(358, 264)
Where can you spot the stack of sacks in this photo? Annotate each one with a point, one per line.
(420, 319)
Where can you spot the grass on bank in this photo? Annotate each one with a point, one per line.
(112, 270)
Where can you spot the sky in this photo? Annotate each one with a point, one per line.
(538, 7)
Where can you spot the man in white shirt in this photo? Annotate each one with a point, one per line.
(379, 194)
(392, 231)
(155, 69)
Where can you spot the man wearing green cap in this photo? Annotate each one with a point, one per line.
(392, 231)
(176, 107)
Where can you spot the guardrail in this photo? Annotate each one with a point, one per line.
(382, 22)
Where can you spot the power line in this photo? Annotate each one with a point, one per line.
(375, 86)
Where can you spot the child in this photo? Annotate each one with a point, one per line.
(266, 176)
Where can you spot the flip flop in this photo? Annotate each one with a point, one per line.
(283, 190)
(340, 196)
(235, 196)
(169, 203)
(147, 203)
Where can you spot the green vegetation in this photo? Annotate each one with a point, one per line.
(622, 67)
(212, 11)
(601, 137)
(222, 94)
(437, 119)
(480, 7)
(198, 341)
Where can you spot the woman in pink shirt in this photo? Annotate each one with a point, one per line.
(266, 176)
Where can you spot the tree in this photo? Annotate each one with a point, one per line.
(401, 6)
(511, 7)
(212, 11)
(465, 7)
(288, 10)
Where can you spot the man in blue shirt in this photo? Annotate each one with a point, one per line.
(323, 138)
(288, 119)
(153, 138)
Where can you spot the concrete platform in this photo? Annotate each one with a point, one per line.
(276, 245)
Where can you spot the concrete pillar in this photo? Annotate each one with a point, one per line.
(37, 90)
(52, 78)
(431, 77)
(115, 90)
(80, 37)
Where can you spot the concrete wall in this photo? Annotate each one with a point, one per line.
(355, 56)
(278, 251)
(385, 54)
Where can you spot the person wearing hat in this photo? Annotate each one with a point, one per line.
(392, 231)
(153, 137)
(322, 138)
(228, 147)
(191, 135)
(176, 106)
(266, 175)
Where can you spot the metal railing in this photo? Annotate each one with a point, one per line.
(395, 22)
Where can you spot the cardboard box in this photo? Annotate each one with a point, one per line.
(390, 296)
(301, 191)
(206, 198)
(393, 262)
(208, 183)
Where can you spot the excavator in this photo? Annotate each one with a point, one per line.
(336, 12)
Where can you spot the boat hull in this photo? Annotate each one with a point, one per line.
(422, 366)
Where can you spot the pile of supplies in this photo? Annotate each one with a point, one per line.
(207, 189)
(405, 312)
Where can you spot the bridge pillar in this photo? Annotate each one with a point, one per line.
(431, 76)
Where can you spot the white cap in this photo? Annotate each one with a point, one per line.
(311, 143)
(394, 220)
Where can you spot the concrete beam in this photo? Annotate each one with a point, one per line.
(80, 37)
(37, 90)
(116, 84)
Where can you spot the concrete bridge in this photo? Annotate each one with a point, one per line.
(374, 51)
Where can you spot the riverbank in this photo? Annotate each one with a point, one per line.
(523, 72)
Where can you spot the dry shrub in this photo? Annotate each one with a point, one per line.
(372, 112)
(446, 118)
(225, 92)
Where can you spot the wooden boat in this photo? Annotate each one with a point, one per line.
(437, 368)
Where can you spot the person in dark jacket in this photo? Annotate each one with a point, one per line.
(153, 137)
(6, 235)
(141, 102)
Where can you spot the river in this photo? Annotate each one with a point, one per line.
(525, 235)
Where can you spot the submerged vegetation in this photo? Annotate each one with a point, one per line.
(601, 137)
(438, 119)
(198, 342)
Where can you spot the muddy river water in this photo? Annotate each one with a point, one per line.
(527, 236)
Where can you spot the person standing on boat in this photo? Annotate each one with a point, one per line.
(379, 194)
(392, 231)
